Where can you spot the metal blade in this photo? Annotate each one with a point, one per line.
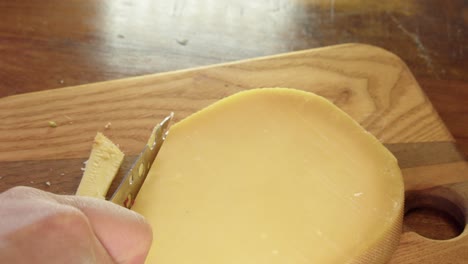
(130, 186)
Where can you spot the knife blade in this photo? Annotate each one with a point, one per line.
(133, 180)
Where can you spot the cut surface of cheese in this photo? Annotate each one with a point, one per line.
(272, 176)
(102, 166)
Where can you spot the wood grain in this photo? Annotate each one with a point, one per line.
(52, 44)
(372, 85)
(417, 249)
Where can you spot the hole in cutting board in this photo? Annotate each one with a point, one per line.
(433, 217)
(432, 223)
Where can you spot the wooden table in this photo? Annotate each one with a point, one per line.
(54, 44)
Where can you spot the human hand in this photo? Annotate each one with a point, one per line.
(41, 227)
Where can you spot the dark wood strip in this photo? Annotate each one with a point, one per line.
(411, 155)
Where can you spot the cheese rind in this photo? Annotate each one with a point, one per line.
(272, 175)
(101, 168)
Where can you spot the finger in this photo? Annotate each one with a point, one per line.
(35, 228)
(125, 234)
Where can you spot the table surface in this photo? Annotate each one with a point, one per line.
(53, 44)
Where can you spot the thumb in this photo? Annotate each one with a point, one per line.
(124, 234)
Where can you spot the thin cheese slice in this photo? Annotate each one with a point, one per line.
(272, 176)
(101, 168)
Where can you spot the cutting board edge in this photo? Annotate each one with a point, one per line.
(99, 84)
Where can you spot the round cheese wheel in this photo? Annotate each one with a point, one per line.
(272, 176)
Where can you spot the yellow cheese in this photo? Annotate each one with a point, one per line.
(272, 176)
(101, 168)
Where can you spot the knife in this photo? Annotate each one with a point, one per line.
(130, 185)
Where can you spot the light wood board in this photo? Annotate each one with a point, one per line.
(372, 85)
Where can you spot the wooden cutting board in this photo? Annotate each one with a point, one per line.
(372, 85)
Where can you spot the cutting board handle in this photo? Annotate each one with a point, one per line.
(451, 199)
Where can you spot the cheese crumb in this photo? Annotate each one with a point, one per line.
(182, 42)
(47, 183)
(52, 124)
(108, 125)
